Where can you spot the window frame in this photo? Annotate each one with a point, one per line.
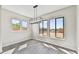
(43, 27)
(56, 27)
(41, 31)
(48, 27)
(15, 24)
(22, 26)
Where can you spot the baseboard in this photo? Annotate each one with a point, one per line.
(6, 48)
(58, 46)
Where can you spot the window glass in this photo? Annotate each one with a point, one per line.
(45, 32)
(59, 27)
(55, 26)
(24, 24)
(40, 28)
(52, 28)
(15, 24)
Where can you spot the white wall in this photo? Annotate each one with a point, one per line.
(0, 32)
(77, 28)
(9, 36)
(69, 28)
(35, 30)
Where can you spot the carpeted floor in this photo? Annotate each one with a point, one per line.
(36, 47)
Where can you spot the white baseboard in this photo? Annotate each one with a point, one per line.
(0, 49)
(9, 51)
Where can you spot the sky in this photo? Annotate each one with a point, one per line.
(52, 24)
(14, 21)
(59, 23)
(23, 23)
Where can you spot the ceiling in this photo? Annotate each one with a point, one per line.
(27, 10)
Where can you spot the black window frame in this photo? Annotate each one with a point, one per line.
(48, 27)
(43, 27)
(41, 31)
(56, 27)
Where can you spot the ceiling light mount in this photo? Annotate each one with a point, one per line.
(35, 6)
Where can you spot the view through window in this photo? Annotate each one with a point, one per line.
(45, 28)
(15, 24)
(55, 26)
(52, 28)
(24, 24)
(40, 28)
(59, 27)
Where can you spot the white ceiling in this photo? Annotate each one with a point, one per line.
(28, 10)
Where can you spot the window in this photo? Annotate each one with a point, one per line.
(52, 28)
(15, 24)
(45, 28)
(40, 28)
(55, 26)
(24, 24)
(60, 27)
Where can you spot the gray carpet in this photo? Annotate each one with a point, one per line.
(36, 47)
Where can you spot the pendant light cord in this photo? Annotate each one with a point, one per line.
(35, 12)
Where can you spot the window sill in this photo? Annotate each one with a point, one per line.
(51, 38)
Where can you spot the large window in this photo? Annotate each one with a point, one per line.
(40, 28)
(45, 28)
(15, 24)
(52, 28)
(24, 24)
(18, 24)
(55, 26)
(60, 27)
